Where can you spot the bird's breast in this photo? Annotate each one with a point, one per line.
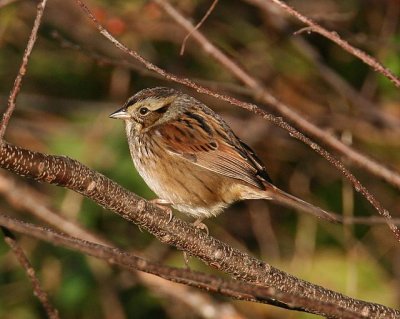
(192, 189)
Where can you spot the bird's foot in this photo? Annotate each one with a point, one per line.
(198, 224)
(163, 204)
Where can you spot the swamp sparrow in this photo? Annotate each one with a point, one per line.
(191, 158)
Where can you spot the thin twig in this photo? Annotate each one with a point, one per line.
(42, 296)
(334, 37)
(22, 69)
(198, 25)
(26, 265)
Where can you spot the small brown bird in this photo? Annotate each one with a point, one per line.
(191, 158)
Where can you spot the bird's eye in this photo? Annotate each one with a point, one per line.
(143, 110)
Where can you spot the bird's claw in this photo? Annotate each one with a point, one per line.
(198, 224)
(163, 204)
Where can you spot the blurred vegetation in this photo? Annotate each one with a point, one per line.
(69, 91)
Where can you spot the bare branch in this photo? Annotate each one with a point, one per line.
(231, 288)
(22, 196)
(22, 69)
(69, 173)
(30, 272)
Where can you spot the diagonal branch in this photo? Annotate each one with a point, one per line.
(69, 173)
(229, 288)
(24, 197)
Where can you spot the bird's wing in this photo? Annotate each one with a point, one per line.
(212, 145)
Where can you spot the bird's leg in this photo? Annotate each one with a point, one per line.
(163, 204)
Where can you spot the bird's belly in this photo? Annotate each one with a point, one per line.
(191, 189)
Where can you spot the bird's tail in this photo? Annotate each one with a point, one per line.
(291, 201)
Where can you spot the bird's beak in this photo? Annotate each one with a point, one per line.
(120, 114)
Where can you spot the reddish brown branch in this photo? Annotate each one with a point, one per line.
(69, 173)
(255, 109)
(22, 69)
(30, 272)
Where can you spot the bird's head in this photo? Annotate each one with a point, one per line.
(147, 107)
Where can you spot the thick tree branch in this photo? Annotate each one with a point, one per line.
(24, 197)
(230, 288)
(69, 173)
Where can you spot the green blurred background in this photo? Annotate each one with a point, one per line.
(76, 78)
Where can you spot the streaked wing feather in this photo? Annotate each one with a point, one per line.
(261, 170)
(223, 156)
